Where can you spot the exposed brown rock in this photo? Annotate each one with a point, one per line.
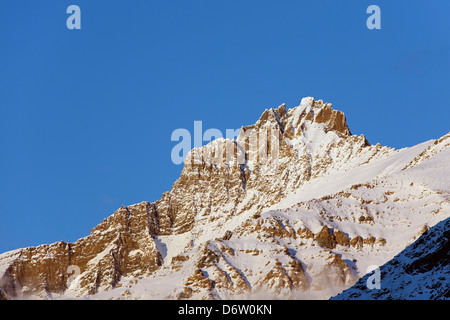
(305, 233)
(228, 235)
(341, 238)
(338, 271)
(291, 277)
(278, 229)
(296, 273)
(334, 119)
(208, 258)
(44, 268)
(357, 242)
(430, 151)
(178, 261)
(369, 241)
(424, 230)
(3, 295)
(325, 238)
(200, 280)
(185, 294)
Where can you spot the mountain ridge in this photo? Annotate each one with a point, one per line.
(235, 220)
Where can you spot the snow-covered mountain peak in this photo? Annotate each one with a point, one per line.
(291, 122)
(311, 130)
(295, 206)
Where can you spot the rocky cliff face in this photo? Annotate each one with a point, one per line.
(120, 245)
(295, 204)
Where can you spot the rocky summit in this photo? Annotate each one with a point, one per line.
(294, 207)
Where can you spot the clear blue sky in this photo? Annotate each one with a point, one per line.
(86, 115)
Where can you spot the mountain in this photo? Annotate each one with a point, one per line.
(294, 207)
(421, 271)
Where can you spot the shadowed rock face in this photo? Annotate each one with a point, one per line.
(3, 295)
(421, 271)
